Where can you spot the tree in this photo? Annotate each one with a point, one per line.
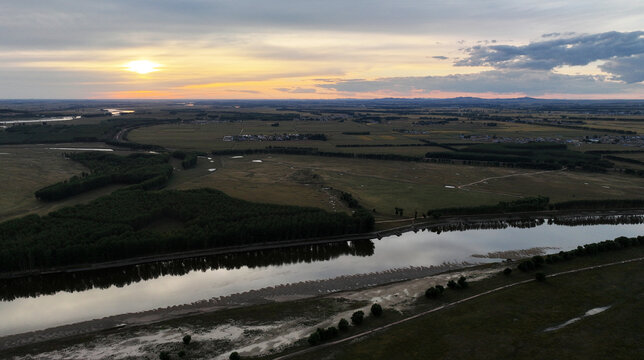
(440, 288)
(164, 355)
(234, 356)
(343, 325)
(432, 293)
(357, 317)
(313, 340)
(452, 284)
(526, 265)
(376, 310)
(331, 332)
(540, 276)
(186, 339)
(507, 271)
(538, 260)
(462, 282)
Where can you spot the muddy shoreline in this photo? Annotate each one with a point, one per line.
(449, 223)
(280, 293)
(299, 290)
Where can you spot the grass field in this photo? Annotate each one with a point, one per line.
(380, 185)
(209, 136)
(206, 137)
(510, 324)
(27, 168)
(636, 156)
(383, 185)
(284, 179)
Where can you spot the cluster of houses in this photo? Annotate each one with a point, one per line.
(626, 140)
(282, 137)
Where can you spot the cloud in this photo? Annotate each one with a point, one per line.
(58, 24)
(556, 34)
(628, 69)
(439, 57)
(549, 54)
(297, 90)
(529, 82)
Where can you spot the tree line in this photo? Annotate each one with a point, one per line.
(541, 203)
(316, 152)
(530, 155)
(148, 171)
(37, 285)
(131, 223)
(106, 130)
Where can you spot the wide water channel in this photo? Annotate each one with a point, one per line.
(45, 301)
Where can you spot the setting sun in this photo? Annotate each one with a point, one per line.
(142, 66)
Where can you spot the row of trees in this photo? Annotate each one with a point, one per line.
(149, 171)
(540, 203)
(61, 133)
(526, 204)
(32, 286)
(131, 223)
(621, 242)
(357, 318)
(531, 155)
(316, 152)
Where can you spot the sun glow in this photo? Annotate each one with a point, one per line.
(142, 66)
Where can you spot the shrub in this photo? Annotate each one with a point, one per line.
(440, 288)
(164, 355)
(357, 317)
(181, 353)
(343, 325)
(538, 260)
(507, 271)
(376, 310)
(331, 332)
(452, 284)
(540, 276)
(432, 293)
(234, 356)
(526, 265)
(313, 340)
(179, 155)
(186, 339)
(462, 282)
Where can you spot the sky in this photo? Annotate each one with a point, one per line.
(321, 49)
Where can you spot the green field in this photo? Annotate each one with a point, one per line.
(383, 185)
(510, 324)
(380, 185)
(27, 168)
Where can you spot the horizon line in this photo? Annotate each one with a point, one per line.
(314, 99)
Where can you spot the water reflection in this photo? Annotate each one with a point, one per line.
(84, 296)
(34, 286)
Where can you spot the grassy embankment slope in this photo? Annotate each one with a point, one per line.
(510, 323)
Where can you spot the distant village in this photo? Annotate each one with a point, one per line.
(276, 137)
(625, 140)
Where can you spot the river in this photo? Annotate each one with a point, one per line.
(45, 301)
(41, 120)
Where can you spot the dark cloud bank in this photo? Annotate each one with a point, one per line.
(528, 68)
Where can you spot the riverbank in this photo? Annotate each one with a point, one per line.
(442, 224)
(253, 331)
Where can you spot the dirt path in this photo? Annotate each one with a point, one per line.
(311, 349)
(461, 187)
